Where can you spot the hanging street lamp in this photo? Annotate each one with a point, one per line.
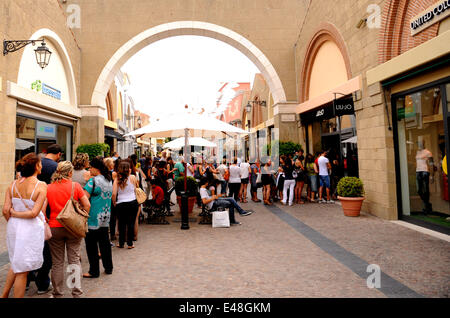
(43, 53)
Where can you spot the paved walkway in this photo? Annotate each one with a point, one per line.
(306, 250)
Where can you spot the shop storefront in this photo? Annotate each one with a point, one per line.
(36, 134)
(46, 103)
(332, 127)
(421, 120)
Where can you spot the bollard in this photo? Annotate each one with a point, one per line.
(184, 211)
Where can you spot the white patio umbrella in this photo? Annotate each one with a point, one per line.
(23, 144)
(192, 141)
(187, 124)
(352, 140)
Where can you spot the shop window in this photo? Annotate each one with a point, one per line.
(36, 135)
(422, 148)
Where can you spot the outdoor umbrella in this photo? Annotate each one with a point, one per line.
(23, 144)
(187, 124)
(352, 140)
(192, 141)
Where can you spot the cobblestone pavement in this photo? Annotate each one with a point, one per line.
(281, 251)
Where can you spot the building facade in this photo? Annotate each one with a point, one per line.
(375, 72)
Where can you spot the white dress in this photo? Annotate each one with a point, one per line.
(25, 237)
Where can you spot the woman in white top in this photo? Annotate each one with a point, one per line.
(124, 198)
(24, 235)
(245, 173)
(234, 183)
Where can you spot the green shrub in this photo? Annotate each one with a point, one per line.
(350, 187)
(191, 185)
(284, 147)
(94, 150)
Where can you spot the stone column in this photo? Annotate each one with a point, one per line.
(92, 124)
(286, 120)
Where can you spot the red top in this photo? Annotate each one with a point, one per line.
(158, 195)
(58, 194)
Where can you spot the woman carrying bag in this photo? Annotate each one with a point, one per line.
(99, 191)
(25, 224)
(124, 198)
(59, 193)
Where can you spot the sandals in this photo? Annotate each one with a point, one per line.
(87, 275)
(130, 247)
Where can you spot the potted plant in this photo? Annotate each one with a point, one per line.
(192, 190)
(351, 194)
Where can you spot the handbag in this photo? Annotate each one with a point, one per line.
(73, 217)
(141, 196)
(226, 175)
(220, 219)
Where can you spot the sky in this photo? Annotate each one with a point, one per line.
(170, 73)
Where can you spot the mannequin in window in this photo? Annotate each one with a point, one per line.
(424, 162)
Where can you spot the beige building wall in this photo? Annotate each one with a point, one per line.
(375, 141)
(20, 20)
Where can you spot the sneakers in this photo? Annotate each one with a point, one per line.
(41, 292)
(331, 201)
(247, 213)
(322, 201)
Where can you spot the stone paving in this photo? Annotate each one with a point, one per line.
(266, 257)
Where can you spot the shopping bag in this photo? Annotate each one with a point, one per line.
(220, 219)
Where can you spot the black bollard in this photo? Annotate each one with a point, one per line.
(184, 211)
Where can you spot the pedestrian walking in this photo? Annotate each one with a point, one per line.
(124, 198)
(59, 192)
(22, 207)
(99, 192)
(255, 170)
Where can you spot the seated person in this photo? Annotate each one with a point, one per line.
(157, 194)
(215, 201)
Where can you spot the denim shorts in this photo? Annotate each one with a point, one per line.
(313, 182)
(325, 181)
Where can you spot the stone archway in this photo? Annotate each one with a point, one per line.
(167, 30)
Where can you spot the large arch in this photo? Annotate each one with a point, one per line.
(326, 32)
(171, 29)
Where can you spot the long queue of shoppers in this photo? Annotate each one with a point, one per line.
(104, 187)
(286, 182)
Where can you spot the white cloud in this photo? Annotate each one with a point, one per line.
(181, 70)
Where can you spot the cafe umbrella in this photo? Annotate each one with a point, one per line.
(192, 141)
(187, 124)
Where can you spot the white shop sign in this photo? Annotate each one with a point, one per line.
(430, 16)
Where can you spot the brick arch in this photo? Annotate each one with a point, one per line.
(395, 37)
(326, 32)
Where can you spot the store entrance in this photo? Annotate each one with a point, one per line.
(43, 144)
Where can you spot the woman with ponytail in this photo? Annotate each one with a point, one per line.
(99, 191)
(25, 224)
(124, 198)
(58, 193)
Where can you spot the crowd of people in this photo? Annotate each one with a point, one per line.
(105, 188)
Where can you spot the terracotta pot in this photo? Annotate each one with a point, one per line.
(351, 206)
(191, 203)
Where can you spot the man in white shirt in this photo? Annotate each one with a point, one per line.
(324, 177)
(245, 172)
(223, 183)
(215, 201)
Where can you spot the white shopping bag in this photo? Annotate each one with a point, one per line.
(220, 219)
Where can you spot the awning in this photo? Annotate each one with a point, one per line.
(113, 134)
